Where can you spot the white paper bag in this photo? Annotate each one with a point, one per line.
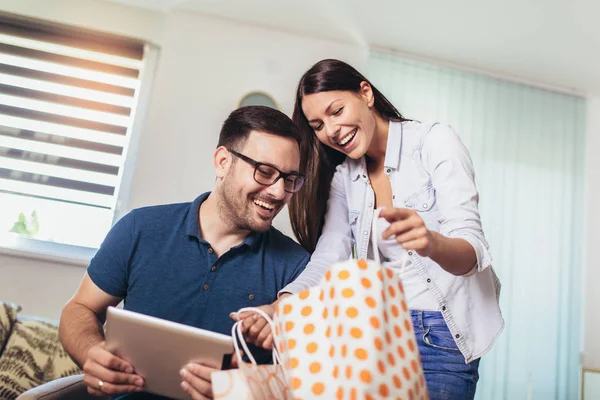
(251, 381)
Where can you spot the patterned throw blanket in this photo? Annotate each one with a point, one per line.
(30, 353)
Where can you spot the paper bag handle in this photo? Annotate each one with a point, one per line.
(236, 333)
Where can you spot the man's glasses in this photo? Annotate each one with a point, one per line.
(267, 175)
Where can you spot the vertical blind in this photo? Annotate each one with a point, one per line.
(67, 100)
(527, 146)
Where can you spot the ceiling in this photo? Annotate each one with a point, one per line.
(556, 42)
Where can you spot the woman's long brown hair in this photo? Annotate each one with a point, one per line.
(309, 206)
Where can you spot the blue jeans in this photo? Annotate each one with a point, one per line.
(446, 374)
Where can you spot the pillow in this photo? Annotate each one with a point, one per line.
(33, 355)
(8, 316)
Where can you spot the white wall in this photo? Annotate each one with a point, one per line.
(205, 66)
(591, 314)
(40, 287)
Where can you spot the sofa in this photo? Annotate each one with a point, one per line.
(30, 352)
(68, 388)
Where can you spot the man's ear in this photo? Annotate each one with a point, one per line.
(366, 92)
(221, 162)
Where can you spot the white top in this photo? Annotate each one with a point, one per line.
(418, 296)
(430, 171)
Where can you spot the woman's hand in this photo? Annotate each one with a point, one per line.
(255, 328)
(455, 255)
(409, 230)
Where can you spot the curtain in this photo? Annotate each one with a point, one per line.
(527, 146)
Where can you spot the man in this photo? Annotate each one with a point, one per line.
(195, 263)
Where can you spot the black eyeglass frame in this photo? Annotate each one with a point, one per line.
(284, 175)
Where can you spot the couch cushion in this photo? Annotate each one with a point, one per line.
(33, 355)
(8, 316)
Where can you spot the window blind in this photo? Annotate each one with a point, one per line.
(67, 102)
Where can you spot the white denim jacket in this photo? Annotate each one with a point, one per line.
(431, 172)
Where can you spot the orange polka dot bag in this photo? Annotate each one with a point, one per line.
(350, 337)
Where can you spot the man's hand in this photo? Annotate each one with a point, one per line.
(105, 373)
(197, 381)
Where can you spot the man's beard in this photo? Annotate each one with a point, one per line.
(235, 210)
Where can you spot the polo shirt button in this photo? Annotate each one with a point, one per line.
(214, 268)
(210, 250)
(410, 253)
(206, 287)
(251, 297)
(443, 308)
(388, 170)
(457, 336)
(428, 280)
(425, 205)
(365, 232)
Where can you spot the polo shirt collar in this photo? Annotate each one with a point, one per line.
(192, 224)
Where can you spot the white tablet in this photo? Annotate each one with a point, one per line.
(158, 348)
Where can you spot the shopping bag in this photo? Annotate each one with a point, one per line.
(350, 337)
(251, 381)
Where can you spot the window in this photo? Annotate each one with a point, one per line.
(68, 100)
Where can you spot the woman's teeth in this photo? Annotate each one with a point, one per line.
(264, 204)
(347, 138)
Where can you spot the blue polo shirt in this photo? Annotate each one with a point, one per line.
(155, 258)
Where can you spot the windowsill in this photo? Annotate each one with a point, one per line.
(60, 253)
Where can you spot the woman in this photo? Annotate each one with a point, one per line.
(361, 154)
